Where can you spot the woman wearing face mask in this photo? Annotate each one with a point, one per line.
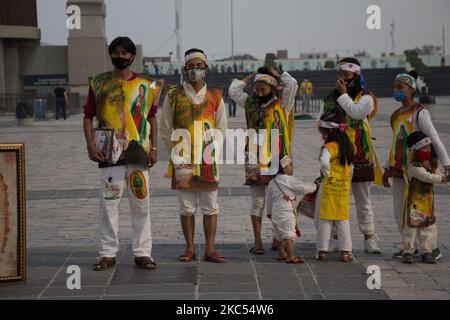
(410, 117)
(264, 110)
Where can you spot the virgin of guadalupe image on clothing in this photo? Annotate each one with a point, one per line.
(280, 126)
(138, 109)
(208, 168)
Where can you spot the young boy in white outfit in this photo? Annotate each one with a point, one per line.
(281, 206)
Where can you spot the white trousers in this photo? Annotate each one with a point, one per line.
(324, 234)
(427, 238)
(258, 198)
(398, 191)
(189, 201)
(364, 209)
(113, 182)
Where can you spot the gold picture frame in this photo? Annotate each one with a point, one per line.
(12, 214)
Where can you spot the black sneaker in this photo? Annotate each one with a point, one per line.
(436, 254)
(428, 258)
(399, 254)
(407, 258)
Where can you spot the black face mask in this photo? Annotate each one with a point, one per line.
(121, 63)
(353, 86)
(265, 99)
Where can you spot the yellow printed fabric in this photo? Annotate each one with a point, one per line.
(367, 166)
(124, 105)
(198, 170)
(402, 123)
(418, 201)
(335, 201)
(263, 119)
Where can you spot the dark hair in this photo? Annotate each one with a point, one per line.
(413, 73)
(351, 60)
(346, 149)
(123, 42)
(415, 137)
(194, 50)
(265, 70)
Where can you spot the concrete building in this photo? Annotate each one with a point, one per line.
(27, 65)
(18, 33)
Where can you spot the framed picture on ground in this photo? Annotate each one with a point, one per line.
(12, 214)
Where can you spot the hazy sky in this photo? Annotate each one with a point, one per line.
(263, 26)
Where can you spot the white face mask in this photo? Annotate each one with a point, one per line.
(195, 75)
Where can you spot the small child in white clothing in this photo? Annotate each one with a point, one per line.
(281, 207)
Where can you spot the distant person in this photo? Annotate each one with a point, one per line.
(61, 101)
(231, 108)
(306, 92)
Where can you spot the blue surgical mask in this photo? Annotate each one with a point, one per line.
(399, 95)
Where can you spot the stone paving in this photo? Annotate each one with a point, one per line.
(62, 223)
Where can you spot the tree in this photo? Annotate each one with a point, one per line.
(269, 61)
(412, 56)
(428, 50)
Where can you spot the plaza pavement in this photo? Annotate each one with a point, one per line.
(62, 224)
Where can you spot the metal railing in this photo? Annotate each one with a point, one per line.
(37, 106)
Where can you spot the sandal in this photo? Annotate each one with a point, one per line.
(295, 260)
(321, 256)
(346, 256)
(214, 257)
(281, 258)
(187, 256)
(256, 251)
(104, 263)
(274, 246)
(145, 263)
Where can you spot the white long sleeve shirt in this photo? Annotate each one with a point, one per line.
(291, 186)
(166, 120)
(237, 93)
(423, 175)
(423, 123)
(325, 159)
(357, 111)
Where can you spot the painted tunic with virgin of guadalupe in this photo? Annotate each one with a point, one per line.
(418, 205)
(125, 105)
(366, 166)
(268, 116)
(198, 170)
(402, 124)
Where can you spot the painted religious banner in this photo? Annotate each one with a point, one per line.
(12, 213)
